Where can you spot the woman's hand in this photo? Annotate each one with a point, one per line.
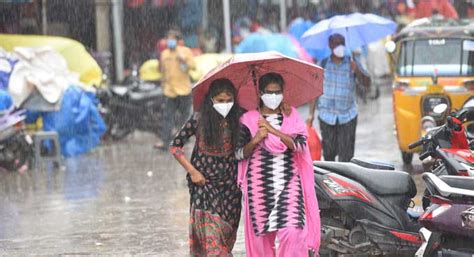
(262, 133)
(197, 178)
(286, 139)
(263, 123)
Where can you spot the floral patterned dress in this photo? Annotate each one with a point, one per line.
(215, 207)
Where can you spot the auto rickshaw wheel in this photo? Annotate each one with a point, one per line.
(407, 157)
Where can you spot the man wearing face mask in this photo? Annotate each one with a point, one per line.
(337, 108)
(175, 62)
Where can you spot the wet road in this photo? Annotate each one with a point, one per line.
(126, 198)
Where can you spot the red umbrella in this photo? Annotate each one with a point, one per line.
(303, 80)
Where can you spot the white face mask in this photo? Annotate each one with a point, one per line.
(339, 51)
(272, 101)
(223, 108)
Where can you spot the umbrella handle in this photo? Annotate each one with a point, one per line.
(254, 78)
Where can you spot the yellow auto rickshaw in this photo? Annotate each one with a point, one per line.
(434, 64)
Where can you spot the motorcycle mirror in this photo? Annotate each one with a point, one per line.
(440, 108)
(390, 47)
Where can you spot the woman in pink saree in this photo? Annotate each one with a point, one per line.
(276, 178)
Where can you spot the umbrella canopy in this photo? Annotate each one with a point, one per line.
(297, 28)
(303, 80)
(358, 29)
(284, 44)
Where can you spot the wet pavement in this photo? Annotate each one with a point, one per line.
(128, 199)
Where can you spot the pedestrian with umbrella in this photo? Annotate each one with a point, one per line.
(337, 107)
(267, 83)
(276, 177)
(212, 172)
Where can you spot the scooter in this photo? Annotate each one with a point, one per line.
(448, 145)
(448, 148)
(134, 105)
(16, 148)
(364, 209)
(469, 121)
(448, 223)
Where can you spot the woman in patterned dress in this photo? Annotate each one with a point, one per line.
(212, 172)
(276, 178)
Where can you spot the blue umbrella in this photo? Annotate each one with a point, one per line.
(358, 29)
(258, 42)
(298, 27)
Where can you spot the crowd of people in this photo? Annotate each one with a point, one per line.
(255, 155)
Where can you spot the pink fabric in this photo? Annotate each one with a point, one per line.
(258, 205)
(258, 200)
(302, 53)
(292, 243)
(292, 125)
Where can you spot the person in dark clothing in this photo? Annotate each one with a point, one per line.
(212, 172)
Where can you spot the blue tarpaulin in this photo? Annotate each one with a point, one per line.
(78, 122)
(5, 100)
(6, 67)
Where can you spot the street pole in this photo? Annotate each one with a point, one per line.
(44, 17)
(117, 18)
(205, 15)
(102, 25)
(282, 15)
(228, 45)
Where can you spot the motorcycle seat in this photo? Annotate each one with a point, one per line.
(381, 182)
(119, 90)
(142, 95)
(459, 182)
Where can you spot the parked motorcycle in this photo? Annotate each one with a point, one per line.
(134, 105)
(16, 148)
(448, 147)
(364, 209)
(449, 220)
(447, 144)
(438, 117)
(469, 121)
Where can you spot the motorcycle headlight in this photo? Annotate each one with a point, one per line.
(428, 123)
(429, 102)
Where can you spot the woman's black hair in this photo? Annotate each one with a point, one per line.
(210, 120)
(269, 78)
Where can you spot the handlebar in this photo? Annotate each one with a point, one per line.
(416, 144)
(424, 155)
